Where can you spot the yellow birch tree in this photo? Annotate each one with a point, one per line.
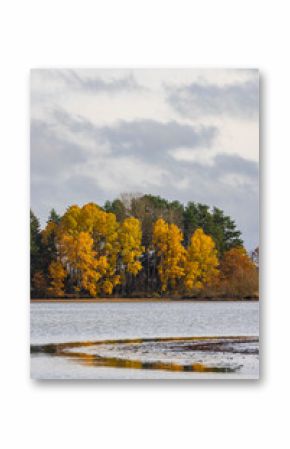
(88, 241)
(201, 267)
(130, 238)
(167, 241)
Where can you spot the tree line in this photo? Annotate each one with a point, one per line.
(140, 246)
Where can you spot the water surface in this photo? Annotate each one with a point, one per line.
(59, 323)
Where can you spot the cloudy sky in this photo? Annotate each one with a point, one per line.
(184, 134)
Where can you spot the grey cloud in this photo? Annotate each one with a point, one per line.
(51, 154)
(150, 139)
(228, 163)
(206, 184)
(60, 194)
(203, 99)
(76, 124)
(52, 86)
(147, 139)
(76, 79)
(59, 177)
(55, 181)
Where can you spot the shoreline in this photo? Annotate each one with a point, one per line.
(126, 300)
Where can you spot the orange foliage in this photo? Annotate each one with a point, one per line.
(39, 284)
(57, 275)
(239, 275)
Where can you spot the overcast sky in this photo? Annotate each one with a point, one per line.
(184, 134)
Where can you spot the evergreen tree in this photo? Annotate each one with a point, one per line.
(116, 207)
(35, 245)
(37, 259)
(219, 226)
(49, 239)
(224, 231)
(54, 217)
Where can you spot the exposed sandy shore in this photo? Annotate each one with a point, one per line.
(109, 300)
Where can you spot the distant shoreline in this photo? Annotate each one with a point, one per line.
(119, 300)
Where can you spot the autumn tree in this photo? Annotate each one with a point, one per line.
(129, 238)
(88, 239)
(148, 208)
(57, 275)
(239, 275)
(139, 244)
(131, 250)
(201, 267)
(39, 285)
(80, 258)
(167, 241)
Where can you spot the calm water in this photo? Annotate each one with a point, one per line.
(76, 322)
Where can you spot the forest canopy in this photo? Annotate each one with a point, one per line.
(140, 246)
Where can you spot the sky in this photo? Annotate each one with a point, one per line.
(183, 134)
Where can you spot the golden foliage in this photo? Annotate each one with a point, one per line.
(201, 261)
(57, 275)
(130, 237)
(88, 244)
(77, 251)
(167, 241)
(97, 253)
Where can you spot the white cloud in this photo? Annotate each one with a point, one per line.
(122, 174)
(200, 156)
